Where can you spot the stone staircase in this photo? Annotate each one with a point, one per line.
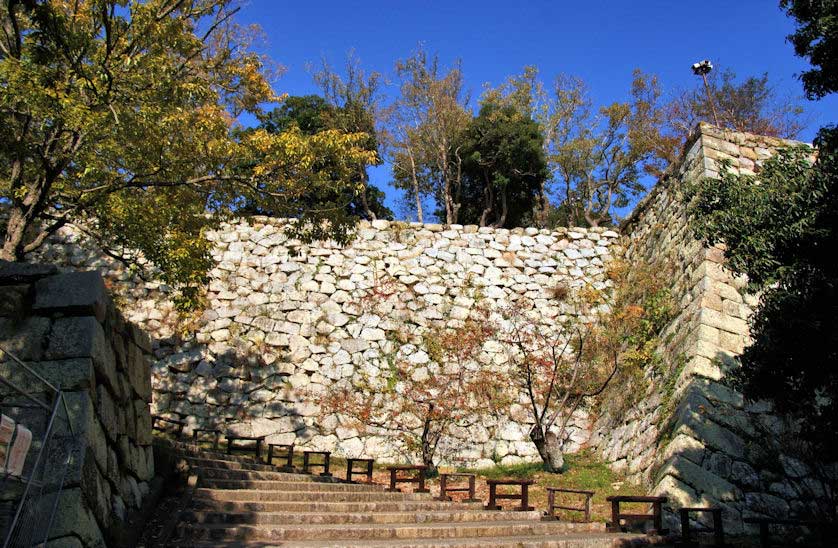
(239, 502)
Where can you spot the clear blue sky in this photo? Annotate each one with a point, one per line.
(601, 41)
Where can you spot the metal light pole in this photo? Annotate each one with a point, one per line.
(703, 68)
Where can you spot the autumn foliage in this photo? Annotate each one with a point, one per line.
(432, 381)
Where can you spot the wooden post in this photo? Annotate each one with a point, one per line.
(718, 527)
(615, 516)
(588, 508)
(493, 505)
(393, 480)
(525, 497)
(443, 480)
(471, 481)
(686, 533)
(657, 517)
(421, 488)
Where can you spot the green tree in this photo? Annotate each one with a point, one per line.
(427, 125)
(816, 38)
(118, 117)
(312, 114)
(503, 168)
(778, 228)
(600, 157)
(595, 157)
(355, 98)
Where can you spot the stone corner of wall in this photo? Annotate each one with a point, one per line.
(65, 327)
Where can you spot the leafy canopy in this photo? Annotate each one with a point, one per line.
(816, 38)
(117, 116)
(312, 114)
(503, 169)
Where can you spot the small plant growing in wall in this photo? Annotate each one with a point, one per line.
(556, 367)
(416, 401)
(639, 308)
(414, 398)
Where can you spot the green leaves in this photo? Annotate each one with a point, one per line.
(504, 168)
(762, 220)
(780, 228)
(120, 117)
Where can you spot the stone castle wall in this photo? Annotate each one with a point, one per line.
(65, 328)
(693, 438)
(285, 320)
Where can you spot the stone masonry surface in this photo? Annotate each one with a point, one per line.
(65, 327)
(284, 320)
(701, 448)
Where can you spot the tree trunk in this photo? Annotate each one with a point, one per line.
(364, 203)
(415, 186)
(429, 446)
(14, 239)
(549, 449)
(428, 459)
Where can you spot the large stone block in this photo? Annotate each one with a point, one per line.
(73, 374)
(72, 293)
(142, 417)
(23, 273)
(13, 300)
(96, 491)
(80, 408)
(83, 337)
(73, 518)
(699, 426)
(704, 482)
(25, 338)
(139, 372)
(107, 411)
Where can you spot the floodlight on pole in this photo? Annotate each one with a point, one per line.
(703, 68)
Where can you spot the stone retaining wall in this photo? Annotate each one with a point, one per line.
(64, 326)
(284, 320)
(694, 439)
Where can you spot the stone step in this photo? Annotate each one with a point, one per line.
(225, 464)
(441, 530)
(331, 506)
(334, 518)
(571, 540)
(274, 485)
(191, 451)
(255, 495)
(223, 473)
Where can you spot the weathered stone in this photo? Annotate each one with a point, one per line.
(13, 299)
(72, 293)
(23, 273)
(25, 338)
(72, 518)
(83, 337)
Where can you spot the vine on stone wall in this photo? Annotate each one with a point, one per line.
(640, 307)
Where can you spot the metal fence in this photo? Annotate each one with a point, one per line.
(31, 499)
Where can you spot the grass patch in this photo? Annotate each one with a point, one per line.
(524, 470)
